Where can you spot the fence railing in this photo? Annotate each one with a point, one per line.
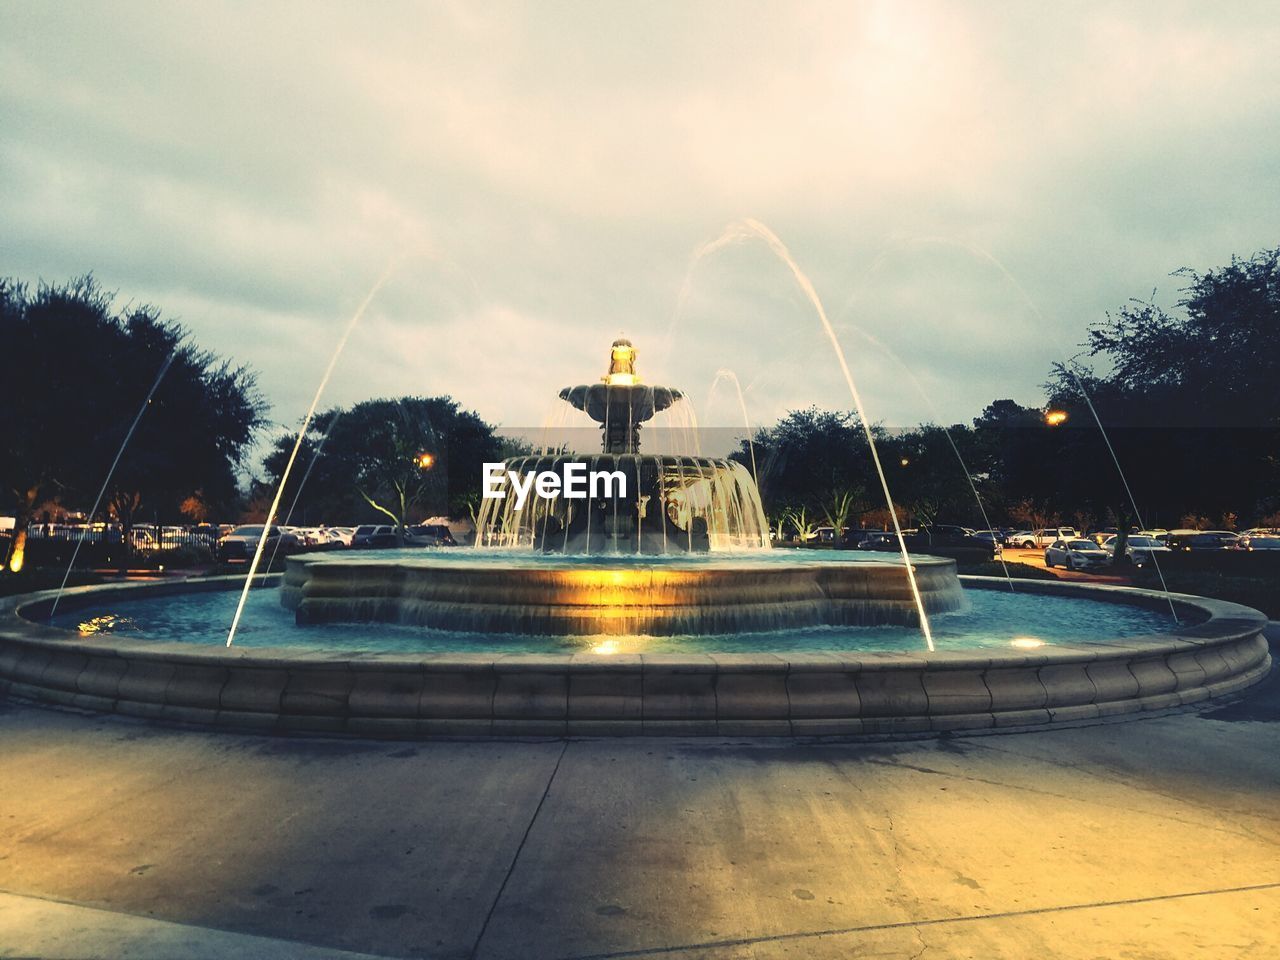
(141, 539)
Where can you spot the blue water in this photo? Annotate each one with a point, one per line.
(993, 619)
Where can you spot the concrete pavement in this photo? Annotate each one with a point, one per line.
(1149, 838)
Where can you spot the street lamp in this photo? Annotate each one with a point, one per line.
(425, 461)
(1055, 418)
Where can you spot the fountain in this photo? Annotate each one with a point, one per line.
(653, 607)
(673, 548)
(671, 505)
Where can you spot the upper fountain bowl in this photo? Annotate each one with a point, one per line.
(622, 403)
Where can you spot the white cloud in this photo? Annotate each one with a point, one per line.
(252, 170)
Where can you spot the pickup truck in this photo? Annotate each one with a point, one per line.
(1044, 537)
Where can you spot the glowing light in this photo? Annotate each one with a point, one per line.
(18, 557)
(425, 461)
(1026, 643)
(1055, 418)
(905, 461)
(622, 365)
(606, 648)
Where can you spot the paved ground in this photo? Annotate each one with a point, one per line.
(1158, 838)
(1035, 558)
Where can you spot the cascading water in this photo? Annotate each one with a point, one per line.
(675, 502)
(726, 374)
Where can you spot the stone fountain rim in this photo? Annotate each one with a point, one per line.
(814, 695)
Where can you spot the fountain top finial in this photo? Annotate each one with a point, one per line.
(622, 364)
(619, 400)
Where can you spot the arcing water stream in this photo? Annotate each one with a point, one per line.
(745, 230)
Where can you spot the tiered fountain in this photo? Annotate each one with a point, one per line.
(706, 630)
(672, 504)
(677, 552)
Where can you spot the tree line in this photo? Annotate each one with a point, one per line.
(1190, 400)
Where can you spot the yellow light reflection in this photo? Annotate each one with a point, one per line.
(606, 647)
(611, 588)
(107, 623)
(1026, 643)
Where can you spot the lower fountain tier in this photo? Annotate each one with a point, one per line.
(661, 600)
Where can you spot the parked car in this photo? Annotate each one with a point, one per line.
(1202, 540)
(1259, 542)
(939, 539)
(1106, 533)
(1139, 548)
(342, 535)
(429, 535)
(239, 545)
(994, 537)
(1076, 554)
(1044, 537)
(372, 536)
(821, 535)
(879, 540)
(856, 536)
(314, 536)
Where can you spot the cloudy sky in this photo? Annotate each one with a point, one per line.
(968, 185)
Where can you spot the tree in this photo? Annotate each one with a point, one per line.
(1019, 459)
(1190, 400)
(79, 375)
(391, 455)
(807, 455)
(821, 461)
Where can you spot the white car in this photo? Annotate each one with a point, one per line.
(1076, 554)
(1140, 548)
(1031, 539)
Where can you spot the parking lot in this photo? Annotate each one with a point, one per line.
(1035, 558)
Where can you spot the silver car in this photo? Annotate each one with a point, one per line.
(1076, 555)
(1140, 548)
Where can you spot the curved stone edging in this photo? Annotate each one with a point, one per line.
(809, 694)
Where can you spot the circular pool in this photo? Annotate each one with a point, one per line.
(983, 620)
(1049, 652)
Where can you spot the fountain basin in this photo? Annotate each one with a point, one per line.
(564, 597)
(1218, 651)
